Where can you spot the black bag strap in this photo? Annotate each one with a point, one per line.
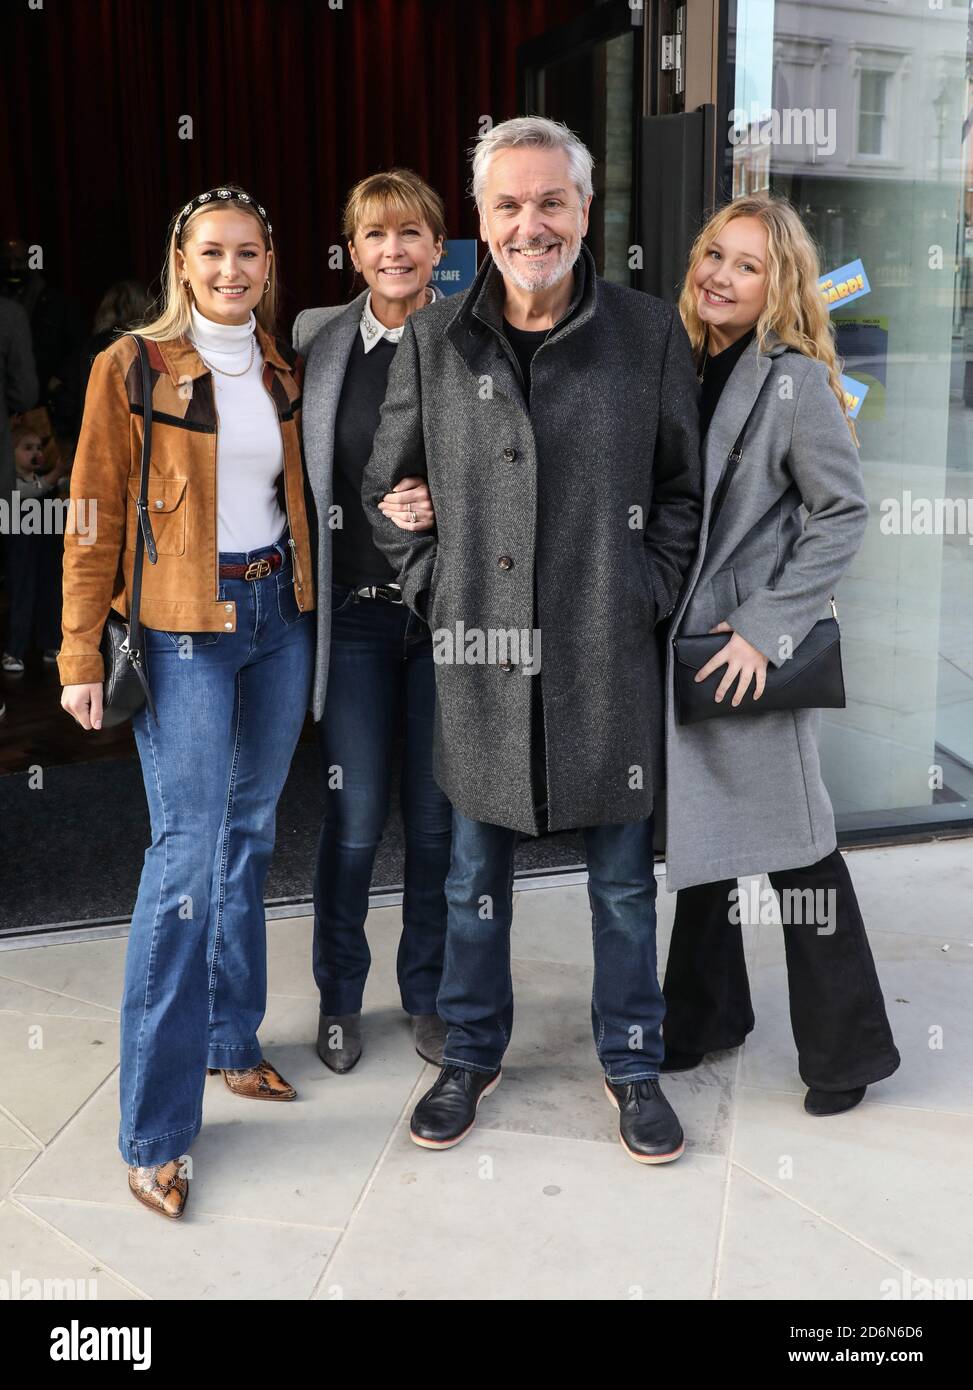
(732, 460)
(735, 455)
(144, 537)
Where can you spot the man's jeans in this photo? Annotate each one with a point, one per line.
(231, 706)
(381, 679)
(476, 998)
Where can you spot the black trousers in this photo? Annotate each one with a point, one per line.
(33, 592)
(837, 1011)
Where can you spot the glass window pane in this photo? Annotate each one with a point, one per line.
(892, 86)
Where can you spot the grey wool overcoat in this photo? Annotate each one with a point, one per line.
(745, 795)
(594, 491)
(324, 338)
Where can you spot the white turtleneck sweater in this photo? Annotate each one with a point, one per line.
(249, 449)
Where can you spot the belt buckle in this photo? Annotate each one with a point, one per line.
(257, 569)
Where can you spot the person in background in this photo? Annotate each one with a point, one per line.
(18, 375)
(33, 559)
(123, 304)
(20, 387)
(55, 326)
(374, 676)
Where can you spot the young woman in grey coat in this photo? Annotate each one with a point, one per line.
(745, 794)
(374, 671)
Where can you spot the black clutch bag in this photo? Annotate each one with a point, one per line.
(126, 683)
(811, 679)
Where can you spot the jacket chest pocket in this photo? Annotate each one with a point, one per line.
(167, 513)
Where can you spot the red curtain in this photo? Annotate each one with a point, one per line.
(295, 99)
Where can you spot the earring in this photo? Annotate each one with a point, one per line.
(266, 286)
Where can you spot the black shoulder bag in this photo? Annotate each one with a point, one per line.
(126, 683)
(810, 679)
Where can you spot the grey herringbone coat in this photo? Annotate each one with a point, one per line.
(745, 796)
(595, 491)
(324, 338)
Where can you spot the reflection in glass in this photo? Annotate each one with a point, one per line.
(861, 118)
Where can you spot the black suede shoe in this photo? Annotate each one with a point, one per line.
(339, 1040)
(648, 1128)
(681, 1061)
(447, 1113)
(833, 1102)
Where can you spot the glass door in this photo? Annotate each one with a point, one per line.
(588, 74)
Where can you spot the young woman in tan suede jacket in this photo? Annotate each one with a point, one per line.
(229, 652)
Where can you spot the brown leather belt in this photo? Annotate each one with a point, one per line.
(257, 569)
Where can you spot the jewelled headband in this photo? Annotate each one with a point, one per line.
(227, 195)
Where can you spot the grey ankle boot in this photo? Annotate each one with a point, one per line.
(339, 1040)
(429, 1032)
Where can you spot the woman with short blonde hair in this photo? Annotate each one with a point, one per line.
(374, 676)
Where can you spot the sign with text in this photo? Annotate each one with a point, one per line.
(841, 286)
(457, 269)
(855, 393)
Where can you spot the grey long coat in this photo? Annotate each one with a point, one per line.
(324, 338)
(596, 491)
(745, 796)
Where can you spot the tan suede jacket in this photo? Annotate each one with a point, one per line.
(180, 593)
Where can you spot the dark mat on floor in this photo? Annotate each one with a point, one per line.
(71, 850)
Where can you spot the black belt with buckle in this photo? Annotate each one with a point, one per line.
(256, 569)
(391, 593)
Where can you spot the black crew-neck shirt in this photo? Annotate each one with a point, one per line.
(525, 342)
(715, 373)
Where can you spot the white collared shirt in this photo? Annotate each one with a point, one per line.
(373, 332)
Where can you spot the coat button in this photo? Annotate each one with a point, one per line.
(505, 562)
(228, 626)
(159, 502)
(228, 607)
(509, 455)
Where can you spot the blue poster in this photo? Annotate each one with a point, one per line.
(457, 269)
(863, 345)
(855, 393)
(839, 287)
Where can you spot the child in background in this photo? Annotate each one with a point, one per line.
(33, 558)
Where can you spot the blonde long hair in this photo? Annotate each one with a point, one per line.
(169, 316)
(795, 310)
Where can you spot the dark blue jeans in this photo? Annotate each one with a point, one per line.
(231, 707)
(381, 680)
(476, 999)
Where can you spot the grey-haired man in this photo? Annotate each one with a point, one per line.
(555, 417)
